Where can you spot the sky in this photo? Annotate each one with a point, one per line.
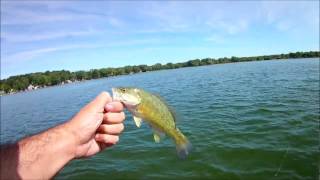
(81, 35)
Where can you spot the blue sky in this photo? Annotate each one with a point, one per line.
(82, 35)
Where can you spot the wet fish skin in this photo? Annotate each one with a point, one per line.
(153, 109)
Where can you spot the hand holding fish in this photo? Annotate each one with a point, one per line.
(97, 125)
(94, 128)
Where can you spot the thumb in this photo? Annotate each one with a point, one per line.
(98, 104)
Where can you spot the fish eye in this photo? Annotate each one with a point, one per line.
(123, 90)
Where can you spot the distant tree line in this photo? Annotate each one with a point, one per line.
(51, 78)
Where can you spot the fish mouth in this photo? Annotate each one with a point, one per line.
(115, 94)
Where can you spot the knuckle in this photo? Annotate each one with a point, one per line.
(105, 128)
(105, 116)
(108, 116)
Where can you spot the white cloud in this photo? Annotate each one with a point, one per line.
(31, 37)
(291, 16)
(27, 17)
(216, 38)
(150, 24)
(30, 54)
(26, 55)
(39, 21)
(134, 42)
(33, 12)
(230, 27)
(115, 22)
(284, 25)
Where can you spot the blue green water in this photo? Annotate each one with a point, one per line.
(252, 120)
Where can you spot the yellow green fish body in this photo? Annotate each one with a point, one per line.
(152, 109)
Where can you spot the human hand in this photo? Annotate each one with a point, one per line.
(97, 125)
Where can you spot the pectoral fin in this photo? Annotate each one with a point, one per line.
(156, 137)
(137, 120)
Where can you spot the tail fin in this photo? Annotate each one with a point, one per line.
(183, 146)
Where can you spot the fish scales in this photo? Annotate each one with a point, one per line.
(153, 110)
(157, 113)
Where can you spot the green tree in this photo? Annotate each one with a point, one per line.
(170, 66)
(81, 75)
(157, 66)
(195, 62)
(206, 61)
(136, 69)
(95, 74)
(21, 82)
(143, 68)
(234, 59)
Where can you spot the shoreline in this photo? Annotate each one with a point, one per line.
(81, 81)
(65, 84)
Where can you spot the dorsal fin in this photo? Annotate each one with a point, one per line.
(172, 111)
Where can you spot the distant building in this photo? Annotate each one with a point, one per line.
(30, 87)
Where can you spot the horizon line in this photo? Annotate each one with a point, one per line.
(154, 63)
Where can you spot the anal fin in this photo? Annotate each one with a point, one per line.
(157, 135)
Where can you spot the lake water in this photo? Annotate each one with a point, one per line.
(251, 120)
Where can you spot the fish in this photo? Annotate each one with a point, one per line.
(153, 109)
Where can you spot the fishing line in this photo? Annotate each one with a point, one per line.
(282, 160)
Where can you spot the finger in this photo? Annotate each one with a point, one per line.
(97, 105)
(107, 138)
(103, 145)
(113, 118)
(114, 107)
(111, 128)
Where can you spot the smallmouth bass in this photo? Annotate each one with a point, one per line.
(153, 109)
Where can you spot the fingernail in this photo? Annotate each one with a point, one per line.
(109, 107)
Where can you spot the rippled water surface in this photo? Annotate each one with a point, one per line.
(256, 120)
